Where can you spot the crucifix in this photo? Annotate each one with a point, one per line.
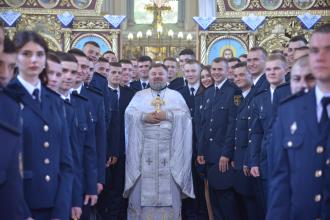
(164, 162)
(157, 102)
(149, 161)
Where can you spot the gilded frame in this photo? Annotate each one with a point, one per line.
(222, 38)
(16, 5)
(222, 13)
(46, 11)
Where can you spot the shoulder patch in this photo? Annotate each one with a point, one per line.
(237, 99)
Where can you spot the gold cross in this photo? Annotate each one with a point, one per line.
(157, 102)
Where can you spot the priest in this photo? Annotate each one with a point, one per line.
(158, 150)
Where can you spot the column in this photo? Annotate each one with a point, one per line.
(66, 39)
(203, 48)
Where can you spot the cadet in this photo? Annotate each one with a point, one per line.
(244, 183)
(299, 182)
(112, 204)
(47, 158)
(144, 63)
(127, 71)
(184, 56)
(11, 188)
(7, 61)
(192, 93)
(217, 139)
(301, 76)
(261, 119)
(256, 60)
(174, 82)
(82, 132)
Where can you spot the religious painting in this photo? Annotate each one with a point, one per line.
(48, 3)
(271, 4)
(238, 5)
(101, 41)
(15, 3)
(303, 4)
(81, 4)
(226, 46)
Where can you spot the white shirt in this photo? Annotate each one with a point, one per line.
(77, 89)
(246, 92)
(65, 97)
(255, 81)
(146, 82)
(272, 90)
(118, 90)
(195, 86)
(319, 95)
(28, 86)
(221, 84)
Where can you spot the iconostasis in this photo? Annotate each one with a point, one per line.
(243, 24)
(63, 23)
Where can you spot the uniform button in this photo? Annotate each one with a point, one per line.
(236, 129)
(235, 138)
(211, 120)
(249, 118)
(46, 144)
(211, 139)
(211, 129)
(236, 119)
(328, 161)
(46, 161)
(46, 128)
(235, 148)
(317, 198)
(318, 173)
(319, 149)
(47, 178)
(250, 141)
(289, 144)
(249, 129)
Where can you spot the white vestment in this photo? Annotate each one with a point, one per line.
(158, 157)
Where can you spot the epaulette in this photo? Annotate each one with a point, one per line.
(95, 90)
(293, 96)
(99, 74)
(51, 91)
(79, 96)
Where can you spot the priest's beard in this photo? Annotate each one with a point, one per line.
(157, 86)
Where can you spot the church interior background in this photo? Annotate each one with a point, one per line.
(161, 28)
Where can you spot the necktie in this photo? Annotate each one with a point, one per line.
(74, 92)
(324, 117)
(217, 90)
(67, 100)
(116, 92)
(144, 85)
(192, 91)
(35, 95)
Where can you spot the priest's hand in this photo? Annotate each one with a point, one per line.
(92, 198)
(99, 188)
(151, 118)
(255, 171)
(200, 160)
(246, 170)
(76, 212)
(161, 116)
(223, 164)
(112, 161)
